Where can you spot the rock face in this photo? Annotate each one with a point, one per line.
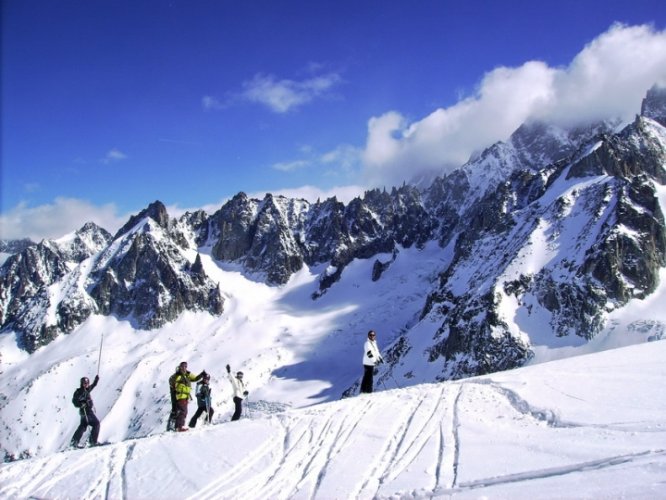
(25, 279)
(140, 274)
(15, 246)
(146, 278)
(654, 104)
(593, 222)
(561, 224)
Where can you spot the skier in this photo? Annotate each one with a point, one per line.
(371, 358)
(203, 402)
(84, 403)
(182, 382)
(239, 392)
(171, 423)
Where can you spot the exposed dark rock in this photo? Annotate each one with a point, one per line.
(152, 283)
(587, 197)
(155, 211)
(654, 104)
(15, 246)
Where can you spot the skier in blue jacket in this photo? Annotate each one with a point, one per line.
(204, 402)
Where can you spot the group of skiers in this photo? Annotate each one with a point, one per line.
(180, 385)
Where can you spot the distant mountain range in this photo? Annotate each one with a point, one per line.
(558, 223)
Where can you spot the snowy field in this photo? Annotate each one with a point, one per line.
(592, 426)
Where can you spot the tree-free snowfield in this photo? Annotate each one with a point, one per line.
(592, 426)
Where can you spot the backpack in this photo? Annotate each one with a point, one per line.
(203, 395)
(75, 400)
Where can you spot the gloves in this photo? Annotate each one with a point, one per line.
(228, 369)
(96, 379)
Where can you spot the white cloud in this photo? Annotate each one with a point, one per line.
(54, 220)
(284, 95)
(608, 78)
(344, 159)
(113, 155)
(280, 96)
(290, 166)
(210, 103)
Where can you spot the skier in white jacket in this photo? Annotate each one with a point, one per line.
(371, 358)
(239, 392)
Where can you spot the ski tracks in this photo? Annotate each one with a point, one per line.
(641, 459)
(425, 442)
(68, 469)
(300, 462)
(113, 483)
(47, 475)
(246, 473)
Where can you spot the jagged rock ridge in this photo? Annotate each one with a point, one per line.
(588, 195)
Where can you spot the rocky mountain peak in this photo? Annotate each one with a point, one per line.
(15, 246)
(563, 224)
(654, 104)
(156, 211)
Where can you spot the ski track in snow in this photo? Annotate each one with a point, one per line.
(294, 461)
(604, 463)
(420, 442)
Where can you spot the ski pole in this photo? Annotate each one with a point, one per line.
(99, 359)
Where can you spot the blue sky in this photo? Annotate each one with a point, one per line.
(110, 105)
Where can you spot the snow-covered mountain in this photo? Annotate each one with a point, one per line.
(10, 247)
(548, 245)
(586, 427)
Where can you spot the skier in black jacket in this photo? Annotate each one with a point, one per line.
(84, 403)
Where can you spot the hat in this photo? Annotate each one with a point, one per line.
(239, 375)
(85, 380)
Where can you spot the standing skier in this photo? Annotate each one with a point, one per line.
(84, 403)
(239, 392)
(171, 424)
(371, 358)
(182, 385)
(203, 402)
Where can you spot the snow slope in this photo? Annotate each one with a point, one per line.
(591, 426)
(294, 352)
